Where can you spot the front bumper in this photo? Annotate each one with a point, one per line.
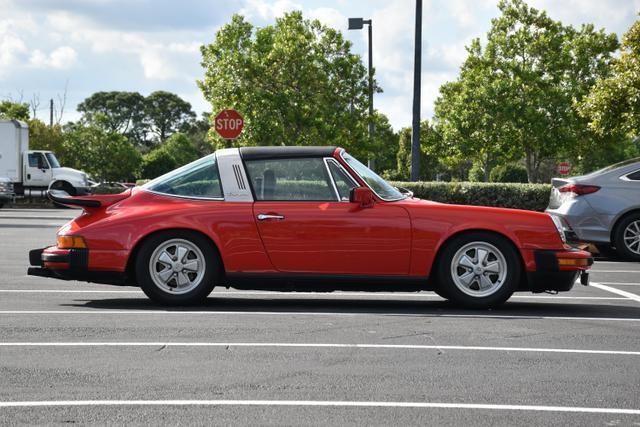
(70, 264)
(559, 270)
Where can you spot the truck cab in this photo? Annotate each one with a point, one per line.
(42, 168)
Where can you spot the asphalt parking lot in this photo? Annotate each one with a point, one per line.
(77, 352)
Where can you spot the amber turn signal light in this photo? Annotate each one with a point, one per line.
(71, 242)
(574, 262)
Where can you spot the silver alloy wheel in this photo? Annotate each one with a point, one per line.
(177, 266)
(631, 237)
(478, 269)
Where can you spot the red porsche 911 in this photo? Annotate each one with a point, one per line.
(303, 219)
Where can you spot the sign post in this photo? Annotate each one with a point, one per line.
(229, 124)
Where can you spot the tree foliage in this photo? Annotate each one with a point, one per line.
(144, 120)
(10, 110)
(613, 105)
(167, 113)
(177, 151)
(44, 137)
(295, 82)
(516, 96)
(106, 156)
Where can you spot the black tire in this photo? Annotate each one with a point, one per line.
(622, 247)
(211, 272)
(501, 293)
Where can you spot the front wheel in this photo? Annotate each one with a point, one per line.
(177, 268)
(478, 270)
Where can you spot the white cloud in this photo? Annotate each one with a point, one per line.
(268, 10)
(329, 17)
(60, 58)
(154, 56)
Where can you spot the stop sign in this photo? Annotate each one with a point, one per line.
(564, 168)
(229, 124)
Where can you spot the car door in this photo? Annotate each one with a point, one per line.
(307, 224)
(37, 170)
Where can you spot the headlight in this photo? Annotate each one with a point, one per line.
(559, 226)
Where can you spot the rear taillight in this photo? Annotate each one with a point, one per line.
(578, 189)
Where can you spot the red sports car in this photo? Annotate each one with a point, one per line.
(303, 218)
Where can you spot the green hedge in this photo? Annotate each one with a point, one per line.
(533, 197)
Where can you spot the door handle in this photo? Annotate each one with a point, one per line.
(262, 217)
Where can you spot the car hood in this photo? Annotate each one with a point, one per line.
(68, 171)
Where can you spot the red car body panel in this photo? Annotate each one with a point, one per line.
(336, 237)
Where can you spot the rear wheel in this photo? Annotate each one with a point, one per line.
(478, 270)
(177, 268)
(627, 237)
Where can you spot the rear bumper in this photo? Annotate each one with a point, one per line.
(70, 264)
(559, 270)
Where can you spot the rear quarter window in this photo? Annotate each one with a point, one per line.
(199, 179)
(634, 176)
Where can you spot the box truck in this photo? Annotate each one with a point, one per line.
(31, 172)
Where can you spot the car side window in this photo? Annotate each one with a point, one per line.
(36, 160)
(299, 179)
(344, 183)
(635, 176)
(199, 179)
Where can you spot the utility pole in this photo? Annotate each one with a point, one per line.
(417, 74)
(51, 113)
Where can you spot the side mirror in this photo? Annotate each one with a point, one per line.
(363, 196)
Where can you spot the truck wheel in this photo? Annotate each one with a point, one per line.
(478, 270)
(177, 268)
(627, 237)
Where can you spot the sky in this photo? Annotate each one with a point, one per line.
(87, 46)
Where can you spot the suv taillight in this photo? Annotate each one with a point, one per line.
(578, 189)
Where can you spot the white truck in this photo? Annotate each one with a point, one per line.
(31, 172)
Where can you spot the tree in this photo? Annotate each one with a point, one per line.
(156, 163)
(430, 154)
(44, 137)
(613, 105)
(122, 112)
(107, 156)
(14, 110)
(295, 82)
(167, 113)
(515, 97)
(177, 151)
(385, 144)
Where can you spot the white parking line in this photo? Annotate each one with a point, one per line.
(289, 294)
(311, 313)
(320, 345)
(615, 271)
(321, 403)
(620, 284)
(616, 291)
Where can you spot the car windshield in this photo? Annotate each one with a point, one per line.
(382, 188)
(52, 160)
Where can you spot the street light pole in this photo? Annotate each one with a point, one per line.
(417, 74)
(358, 24)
